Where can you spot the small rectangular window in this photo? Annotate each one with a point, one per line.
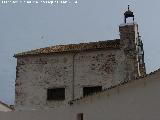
(80, 116)
(56, 94)
(91, 90)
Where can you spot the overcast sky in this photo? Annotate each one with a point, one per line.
(29, 26)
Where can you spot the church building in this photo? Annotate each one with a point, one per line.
(54, 76)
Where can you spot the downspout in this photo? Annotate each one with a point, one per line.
(73, 79)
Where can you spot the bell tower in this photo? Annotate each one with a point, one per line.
(132, 47)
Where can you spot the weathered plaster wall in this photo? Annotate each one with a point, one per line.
(37, 73)
(103, 68)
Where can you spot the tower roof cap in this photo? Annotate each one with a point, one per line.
(128, 13)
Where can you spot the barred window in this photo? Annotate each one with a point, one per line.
(56, 94)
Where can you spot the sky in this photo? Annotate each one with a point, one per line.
(25, 26)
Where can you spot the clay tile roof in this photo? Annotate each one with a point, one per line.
(108, 44)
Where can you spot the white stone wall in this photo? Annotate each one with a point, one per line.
(38, 73)
(35, 74)
(98, 68)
